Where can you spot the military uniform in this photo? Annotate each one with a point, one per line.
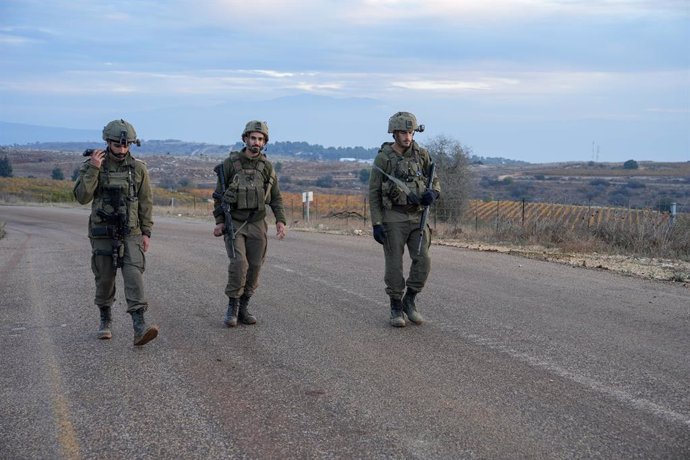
(396, 213)
(129, 180)
(251, 185)
(121, 215)
(400, 220)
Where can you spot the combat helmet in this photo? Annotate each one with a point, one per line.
(256, 126)
(120, 131)
(404, 121)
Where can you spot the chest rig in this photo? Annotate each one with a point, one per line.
(115, 207)
(406, 168)
(247, 188)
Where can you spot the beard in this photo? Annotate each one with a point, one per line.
(255, 149)
(118, 156)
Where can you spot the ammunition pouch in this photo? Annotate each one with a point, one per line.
(246, 190)
(102, 232)
(247, 196)
(392, 195)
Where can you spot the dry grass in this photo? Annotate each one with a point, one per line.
(646, 237)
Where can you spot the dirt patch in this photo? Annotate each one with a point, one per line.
(643, 267)
(677, 271)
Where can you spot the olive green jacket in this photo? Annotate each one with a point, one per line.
(92, 183)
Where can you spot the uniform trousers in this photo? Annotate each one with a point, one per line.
(399, 235)
(134, 264)
(251, 243)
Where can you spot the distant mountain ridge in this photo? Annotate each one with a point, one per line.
(18, 133)
(23, 136)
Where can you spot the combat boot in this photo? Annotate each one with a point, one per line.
(244, 316)
(231, 314)
(104, 332)
(143, 333)
(397, 317)
(410, 308)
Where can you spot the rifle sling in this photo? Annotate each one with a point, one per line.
(396, 181)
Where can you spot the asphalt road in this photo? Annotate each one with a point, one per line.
(519, 358)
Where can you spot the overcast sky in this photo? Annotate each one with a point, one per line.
(534, 80)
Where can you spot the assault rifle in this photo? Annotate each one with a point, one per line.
(425, 213)
(118, 225)
(225, 207)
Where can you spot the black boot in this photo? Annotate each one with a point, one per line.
(397, 317)
(244, 316)
(143, 333)
(410, 308)
(231, 314)
(104, 332)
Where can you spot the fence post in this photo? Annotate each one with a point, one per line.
(498, 204)
(347, 211)
(364, 213)
(589, 212)
(673, 213)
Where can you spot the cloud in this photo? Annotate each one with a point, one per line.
(14, 40)
(468, 11)
(441, 85)
(265, 84)
(671, 110)
(318, 88)
(273, 73)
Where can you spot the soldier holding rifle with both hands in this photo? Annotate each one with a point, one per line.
(402, 186)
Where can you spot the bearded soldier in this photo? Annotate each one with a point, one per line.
(398, 192)
(119, 226)
(247, 183)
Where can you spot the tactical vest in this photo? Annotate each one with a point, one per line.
(409, 170)
(115, 202)
(248, 188)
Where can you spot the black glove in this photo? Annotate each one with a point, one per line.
(429, 197)
(412, 199)
(379, 234)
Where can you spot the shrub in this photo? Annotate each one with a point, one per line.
(634, 184)
(599, 182)
(5, 167)
(57, 174)
(631, 164)
(325, 181)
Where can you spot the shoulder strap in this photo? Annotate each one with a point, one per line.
(104, 173)
(271, 180)
(131, 178)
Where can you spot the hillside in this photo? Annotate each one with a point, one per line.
(652, 185)
(288, 149)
